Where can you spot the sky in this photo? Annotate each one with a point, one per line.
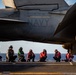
(36, 47)
(70, 2)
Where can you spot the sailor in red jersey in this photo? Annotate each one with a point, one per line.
(69, 57)
(30, 56)
(43, 55)
(57, 56)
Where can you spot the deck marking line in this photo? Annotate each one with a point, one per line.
(42, 73)
(57, 64)
(38, 73)
(71, 63)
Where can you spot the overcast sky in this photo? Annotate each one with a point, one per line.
(37, 47)
(70, 2)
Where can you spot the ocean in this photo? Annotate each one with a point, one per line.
(49, 57)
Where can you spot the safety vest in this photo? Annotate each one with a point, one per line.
(58, 55)
(43, 54)
(67, 56)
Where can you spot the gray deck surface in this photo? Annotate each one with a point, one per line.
(37, 68)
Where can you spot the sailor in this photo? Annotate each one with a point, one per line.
(10, 57)
(21, 57)
(0, 58)
(43, 55)
(69, 57)
(30, 56)
(57, 56)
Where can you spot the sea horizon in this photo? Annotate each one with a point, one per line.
(49, 56)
